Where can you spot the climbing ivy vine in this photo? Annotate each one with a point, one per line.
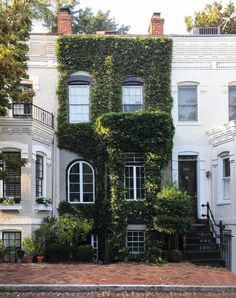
(111, 133)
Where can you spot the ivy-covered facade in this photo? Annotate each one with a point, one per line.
(115, 133)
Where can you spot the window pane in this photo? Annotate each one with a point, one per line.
(226, 167)
(188, 113)
(132, 98)
(81, 188)
(187, 95)
(79, 103)
(187, 103)
(232, 103)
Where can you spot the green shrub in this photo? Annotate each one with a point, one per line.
(85, 253)
(173, 211)
(2, 249)
(29, 246)
(154, 255)
(175, 255)
(57, 252)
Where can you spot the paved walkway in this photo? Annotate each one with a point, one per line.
(123, 273)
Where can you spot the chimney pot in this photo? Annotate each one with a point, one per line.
(156, 26)
(64, 21)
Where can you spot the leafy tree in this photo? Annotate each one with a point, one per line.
(47, 11)
(214, 15)
(82, 20)
(89, 23)
(15, 25)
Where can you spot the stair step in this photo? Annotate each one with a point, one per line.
(199, 234)
(200, 246)
(200, 240)
(201, 254)
(213, 262)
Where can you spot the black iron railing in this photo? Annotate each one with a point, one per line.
(28, 110)
(213, 225)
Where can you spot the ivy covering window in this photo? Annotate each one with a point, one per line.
(12, 183)
(232, 103)
(134, 177)
(39, 176)
(226, 178)
(187, 103)
(81, 183)
(79, 102)
(135, 241)
(132, 94)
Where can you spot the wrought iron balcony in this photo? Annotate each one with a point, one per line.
(28, 110)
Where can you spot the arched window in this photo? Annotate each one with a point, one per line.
(132, 94)
(79, 101)
(81, 183)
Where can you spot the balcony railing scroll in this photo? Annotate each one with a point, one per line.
(29, 110)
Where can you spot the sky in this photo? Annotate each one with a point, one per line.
(137, 13)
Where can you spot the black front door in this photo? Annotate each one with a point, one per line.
(188, 177)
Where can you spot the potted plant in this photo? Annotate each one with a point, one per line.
(44, 201)
(19, 255)
(2, 250)
(29, 246)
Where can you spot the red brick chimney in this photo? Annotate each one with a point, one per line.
(64, 21)
(156, 26)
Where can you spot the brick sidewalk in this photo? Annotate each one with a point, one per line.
(167, 274)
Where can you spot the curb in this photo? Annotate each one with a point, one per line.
(115, 288)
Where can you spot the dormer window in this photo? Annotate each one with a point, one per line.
(132, 94)
(79, 99)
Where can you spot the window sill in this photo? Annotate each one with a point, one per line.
(16, 207)
(76, 203)
(42, 207)
(179, 123)
(132, 200)
(226, 202)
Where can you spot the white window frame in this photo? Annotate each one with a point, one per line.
(222, 179)
(79, 104)
(134, 167)
(43, 174)
(231, 106)
(225, 179)
(138, 104)
(137, 242)
(80, 162)
(196, 105)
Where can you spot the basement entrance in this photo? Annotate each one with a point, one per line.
(187, 165)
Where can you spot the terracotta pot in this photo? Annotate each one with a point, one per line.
(29, 259)
(12, 259)
(40, 259)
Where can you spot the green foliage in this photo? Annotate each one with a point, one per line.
(2, 249)
(213, 15)
(47, 11)
(110, 134)
(15, 25)
(29, 246)
(44, 201)
(176, 255)
(85, 253)
(62, 234)
(83, 20)
(172, 211)
(71, 229)
(89, 23)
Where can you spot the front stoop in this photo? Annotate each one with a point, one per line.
(200, 246)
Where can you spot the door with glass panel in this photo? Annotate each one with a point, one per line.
(187, 165)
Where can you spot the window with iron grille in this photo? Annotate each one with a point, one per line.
(134, 177)
(12, 183)
(39, 176)
(12, 242)
(135, 241)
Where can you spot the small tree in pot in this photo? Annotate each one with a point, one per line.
(29, 247)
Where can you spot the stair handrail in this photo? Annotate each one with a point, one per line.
(212, 223)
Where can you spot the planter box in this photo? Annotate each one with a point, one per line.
(42, 207)
(10, 207)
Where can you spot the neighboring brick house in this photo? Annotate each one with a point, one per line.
(203, 87)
